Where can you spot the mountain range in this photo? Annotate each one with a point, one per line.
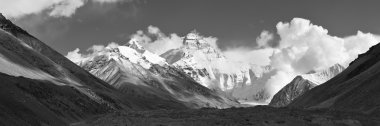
(208, 66)
(136, 71)
(191, 85)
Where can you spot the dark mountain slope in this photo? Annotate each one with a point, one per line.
(40, 86)
(355, 89)
(34, 102)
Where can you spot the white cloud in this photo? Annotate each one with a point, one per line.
(246, 55)
(304, 47)
(66, 8)
(55, 8)
(158, 42)
(154, 30)
(264, 38)
(358, 44)
(74, 55)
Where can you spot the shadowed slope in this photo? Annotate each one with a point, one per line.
(355, 89)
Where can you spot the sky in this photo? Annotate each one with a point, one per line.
(236, 23)
(293, 36)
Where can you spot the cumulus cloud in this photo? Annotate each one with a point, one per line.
(156, 41)
(55, 8)
(75, 55)
(153, 39)
(264, 39)
(304, 46)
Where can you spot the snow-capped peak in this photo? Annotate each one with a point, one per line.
(319, 77)
(131, 52)
(195, 42)
(208, 66)
(134, 44)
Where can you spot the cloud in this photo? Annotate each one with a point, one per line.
(75, 56)
(158, 42)
(264, 39)
(304, 46)
(246, 55)
(66, 8)
(54, 8)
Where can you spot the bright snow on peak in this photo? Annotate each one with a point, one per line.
(321, 76)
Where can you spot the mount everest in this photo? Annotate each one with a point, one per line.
(196, 61)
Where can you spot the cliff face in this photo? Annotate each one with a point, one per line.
(294, 89)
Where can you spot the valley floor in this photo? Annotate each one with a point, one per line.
(253, 116)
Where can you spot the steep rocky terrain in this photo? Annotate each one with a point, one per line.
(303, 83)
(136, 71)
(295, 88)
(209, 67)
(42, 87)
(355, 89)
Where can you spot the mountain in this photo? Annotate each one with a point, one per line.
(294, 89)
(136, 71)
(303, 83)
(42, 87)
(354, 89)
(209, 67)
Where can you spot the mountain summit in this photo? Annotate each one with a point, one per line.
(209, 67)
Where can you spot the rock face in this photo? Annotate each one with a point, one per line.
(303, 83)
(209, 67)
(131, 68)
(295, 88)
(355, 89)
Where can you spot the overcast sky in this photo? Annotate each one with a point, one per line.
(234, 22)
